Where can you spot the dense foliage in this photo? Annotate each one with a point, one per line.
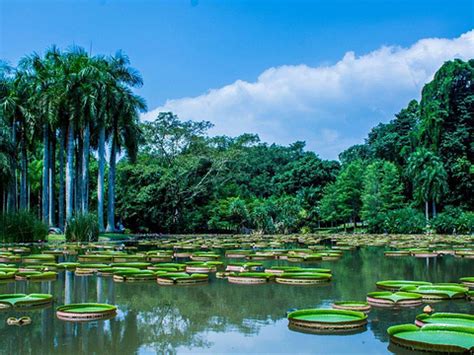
(21, 227)
(82, 227)
(421, 160)
(55, 110)
(185, 181)
(412, 174)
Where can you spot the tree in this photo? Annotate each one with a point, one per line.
(447, 126)
(429, 178)
(124, 132)
(382, 192)
(349, 188)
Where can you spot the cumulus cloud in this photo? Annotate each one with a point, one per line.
(330, 107)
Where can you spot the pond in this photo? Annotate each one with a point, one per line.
(220, 317)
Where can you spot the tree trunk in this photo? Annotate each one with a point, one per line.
(78, 179)
(70, 171)
(52, 175)
(111, 192)
(433, 203)
(427, 215)
(100, 179)
(11, 194)
(85, 170)
(45, 181)
(24, 175)
(61, 200)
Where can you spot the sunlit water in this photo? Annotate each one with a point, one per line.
(221, 317)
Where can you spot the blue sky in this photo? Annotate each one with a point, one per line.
(258, 51)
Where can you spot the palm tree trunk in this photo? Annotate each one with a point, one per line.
(433, 203)
(45, 184)
(24, 175)
(427, 215)
(11, 193)
(52, 175)
(111, 192)
(100, 179)
(70, 171)
(61, 200)
(85, 170)
(78, 180)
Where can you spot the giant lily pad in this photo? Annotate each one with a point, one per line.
(396, 285)
(23, 300)
(459, 319)
(83, 312)
(437, 292)
(387, 298)
(326, 319)
(433, 337)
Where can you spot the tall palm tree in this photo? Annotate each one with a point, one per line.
(16, 112)
(429, 178)
(124, 133)
(115, 71)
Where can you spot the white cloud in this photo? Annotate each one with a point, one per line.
(330, 107)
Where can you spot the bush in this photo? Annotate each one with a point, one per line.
(446, 221)
(405, 221)
(465, 223)
(82, 227)
(453, 220)
(21, 227)
(376, 224)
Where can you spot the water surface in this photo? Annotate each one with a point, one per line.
(222, 317)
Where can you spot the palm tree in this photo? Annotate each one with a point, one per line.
(115, 71)
(16, 112)
(124, 132)
(429, 178)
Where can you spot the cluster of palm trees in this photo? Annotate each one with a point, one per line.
(74, 104)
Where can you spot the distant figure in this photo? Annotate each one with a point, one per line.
(119, 227)
(428, 310)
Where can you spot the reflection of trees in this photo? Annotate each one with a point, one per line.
(162, 319)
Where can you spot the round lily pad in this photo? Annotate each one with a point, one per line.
(396, 285)
(83, 312)
(326, 319)
(459, 319)
(389, 299)
(433, 338)
(23, 300)
(352, 306)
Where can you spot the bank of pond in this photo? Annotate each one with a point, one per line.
(250, 260)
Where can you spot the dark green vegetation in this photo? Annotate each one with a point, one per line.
(55, 111)
(59, 112)
(20, 227)
(82, 227)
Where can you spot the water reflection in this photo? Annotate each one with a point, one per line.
(220, 317)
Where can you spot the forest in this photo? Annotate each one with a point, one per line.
(73, 148)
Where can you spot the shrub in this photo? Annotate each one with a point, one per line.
(21, 227)
(376, 224)
(82, 227)
(465, 223)
(453, 220)
(405, 221)
(446, 221)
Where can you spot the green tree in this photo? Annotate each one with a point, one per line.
(382, 192)
(429, 178)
